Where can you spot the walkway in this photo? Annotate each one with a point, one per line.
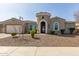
(38, 51)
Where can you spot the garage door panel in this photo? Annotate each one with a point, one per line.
(14, 28)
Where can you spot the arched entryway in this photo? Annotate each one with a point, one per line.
(43, 27)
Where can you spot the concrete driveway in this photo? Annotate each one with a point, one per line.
(39, 51)
(3, 35)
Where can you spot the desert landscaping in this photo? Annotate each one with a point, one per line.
(41, 40)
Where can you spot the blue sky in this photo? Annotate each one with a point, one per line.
(28, 11)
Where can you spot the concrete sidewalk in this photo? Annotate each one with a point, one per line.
(39, 51)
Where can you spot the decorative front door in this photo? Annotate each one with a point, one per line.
(43, 27)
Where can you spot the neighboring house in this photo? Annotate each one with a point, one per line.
(15, 25)
(45, 24)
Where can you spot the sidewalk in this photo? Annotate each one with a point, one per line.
(39, 51)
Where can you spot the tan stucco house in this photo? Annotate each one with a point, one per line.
(16, 25)
(45, 24)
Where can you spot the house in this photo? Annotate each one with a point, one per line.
(47, 24)
(16, 25)
(44, 24)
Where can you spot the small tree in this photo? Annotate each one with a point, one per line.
(32, 32)
(35, 31)
(71, 30)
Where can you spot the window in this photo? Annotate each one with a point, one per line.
(56, 26)
(33, 27)
(30, 27)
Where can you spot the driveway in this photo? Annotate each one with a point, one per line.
(3, 35)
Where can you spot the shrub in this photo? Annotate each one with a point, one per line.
(32, 32)
(52, 32)
(28, 32)
(36, 31)
(71, 30)
(13, 34)
(62, 31)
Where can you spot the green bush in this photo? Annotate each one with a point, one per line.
(52, 32)
(32, 32)
(13, 34)
(36, 31)
(62, 31)
(28, 32)
(71, 30)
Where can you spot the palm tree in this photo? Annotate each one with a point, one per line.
(21, 18)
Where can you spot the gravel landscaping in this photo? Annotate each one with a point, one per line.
(42, 40)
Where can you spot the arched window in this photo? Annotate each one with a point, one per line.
(56, 26)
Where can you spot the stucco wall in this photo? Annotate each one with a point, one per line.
(69, 25)
(46, 18)
(58, 20)
(1, 28)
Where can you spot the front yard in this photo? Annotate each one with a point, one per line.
(41, 40)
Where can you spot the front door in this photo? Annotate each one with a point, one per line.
(43, 27)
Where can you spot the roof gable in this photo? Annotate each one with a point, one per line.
(12, 20)
(56, 17)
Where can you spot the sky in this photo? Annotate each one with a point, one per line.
(28, 10)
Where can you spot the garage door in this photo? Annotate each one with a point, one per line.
(13, 28)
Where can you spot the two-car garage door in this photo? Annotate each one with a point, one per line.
(13, 28)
